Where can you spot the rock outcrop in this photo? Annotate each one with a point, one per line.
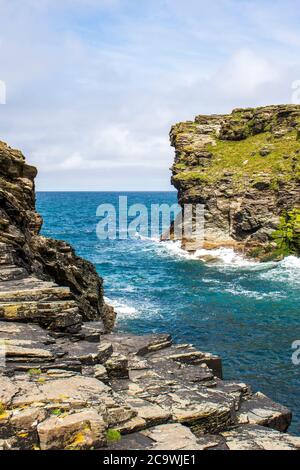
(67, 382)
(245, 169)
(25, 254)
(126, 392)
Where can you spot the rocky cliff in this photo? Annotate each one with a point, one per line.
(66, 383)
(25, 253)
(245, 169)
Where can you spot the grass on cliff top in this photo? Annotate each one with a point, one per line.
(243, 159)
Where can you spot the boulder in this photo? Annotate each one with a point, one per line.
(78, 431)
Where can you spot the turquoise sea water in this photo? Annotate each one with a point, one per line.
(246, 312)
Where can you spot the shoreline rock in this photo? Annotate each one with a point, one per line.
(52, 396)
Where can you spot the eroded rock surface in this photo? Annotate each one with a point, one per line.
(26, 255)
(66, 391)
(245, 169)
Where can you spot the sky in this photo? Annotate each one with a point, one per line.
(93, 86)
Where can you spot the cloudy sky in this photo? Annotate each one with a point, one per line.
(93, 86)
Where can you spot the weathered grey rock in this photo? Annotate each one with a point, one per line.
(79, 431)
(140, 345)
(172, 437)
(261, 410)
(131, 426)
(117, 366)
(197, 357)
(150, 413)
(29, 346)
(132, 441)
(91, 331)
(105, 351)
(24, 252)
(100, 373)
(164, 396)
(259, 438)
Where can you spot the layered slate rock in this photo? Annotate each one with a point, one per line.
(25, 298)
(66, 391)
(82, 430)
(24, 252)
(178, 437)
(260, 410)
(244, 168)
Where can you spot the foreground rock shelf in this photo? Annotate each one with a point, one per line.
(65, 391)
(62, 391)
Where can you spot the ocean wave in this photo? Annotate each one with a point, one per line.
(128, 288)
(241, 292)
(221, 256)
(229, 258)
(122, 310)
(173, 248)
(287, 270)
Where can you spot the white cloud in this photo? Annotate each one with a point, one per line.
(94, 86)
(245, 73)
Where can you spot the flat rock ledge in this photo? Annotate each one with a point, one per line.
(89, 390)
(65, 383)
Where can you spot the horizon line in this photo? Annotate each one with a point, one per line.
(101, 191)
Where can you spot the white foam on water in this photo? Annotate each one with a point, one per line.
(239, 291)
(167, 248)
(221, 256)
(122, 310)
(287, 271)
(128, 288)
(291, 262)
(227, 257)
(138, 236)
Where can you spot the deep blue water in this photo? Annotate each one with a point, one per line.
(247, 313)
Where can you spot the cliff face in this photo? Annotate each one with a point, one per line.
(245, 169)
(29, 253)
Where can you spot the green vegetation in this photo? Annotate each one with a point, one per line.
(112, 435)
(245, 159)
(195, 175)
(57, 412)
(34, 372)
(287, 236)
(179, 166)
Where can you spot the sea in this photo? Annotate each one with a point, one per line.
(244, 311)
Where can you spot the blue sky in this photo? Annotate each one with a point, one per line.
(93, 86)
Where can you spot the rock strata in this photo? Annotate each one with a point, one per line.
(26, 255)
(244, 168)
(68, 382)
(67, 393)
